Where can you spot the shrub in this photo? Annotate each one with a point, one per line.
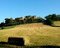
(48, 22)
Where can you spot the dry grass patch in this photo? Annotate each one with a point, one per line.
(34, 34)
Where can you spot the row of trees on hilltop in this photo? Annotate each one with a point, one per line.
(21, 20)
(30, 19)
(51, 18)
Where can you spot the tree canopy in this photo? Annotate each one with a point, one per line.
(30, 19)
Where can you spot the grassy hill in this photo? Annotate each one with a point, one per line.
(57, 23)
(34, 34)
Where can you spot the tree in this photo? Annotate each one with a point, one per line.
(19, 20)
(51, 17)
(2, 25)
(58, 17)
(48, 22)
(9, 22)
(27, 19)
(33, 19)
(39, 19)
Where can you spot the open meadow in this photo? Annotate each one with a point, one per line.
(57, 23)
(34, 34)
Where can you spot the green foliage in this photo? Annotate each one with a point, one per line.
(2, 25)
(9, 21)
(53, 17)
(31, 19)
(19, 20)
(49, 22)
(39, 19)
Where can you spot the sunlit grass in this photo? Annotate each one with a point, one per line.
(33, 34)
(57, 23)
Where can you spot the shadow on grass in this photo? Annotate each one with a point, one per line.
(12, 46)
(6, 44)
(19, 43)
(55, 26)
(3, 42)
(50, 46)
(14, 41)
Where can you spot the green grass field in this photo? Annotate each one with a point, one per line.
(34, 34)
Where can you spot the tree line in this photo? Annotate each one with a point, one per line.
(30, 19)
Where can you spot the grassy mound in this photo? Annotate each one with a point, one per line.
(34, 34)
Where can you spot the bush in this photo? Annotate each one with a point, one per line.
(2, 27)
(48, 22)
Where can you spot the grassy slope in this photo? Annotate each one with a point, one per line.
(33, 34)
(57, 23)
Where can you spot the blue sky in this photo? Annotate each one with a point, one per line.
(17, 8)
